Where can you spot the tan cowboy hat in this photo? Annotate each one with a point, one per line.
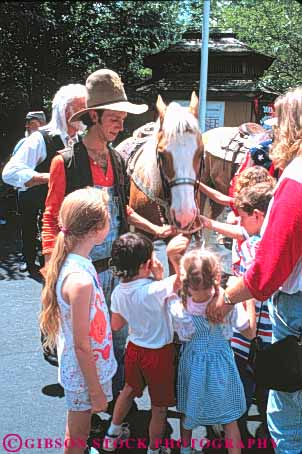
(105, 90)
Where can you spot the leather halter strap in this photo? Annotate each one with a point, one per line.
(195, 226)
(181, 181)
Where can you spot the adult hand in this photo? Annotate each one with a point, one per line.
(98, 401)
(217, 309)
(164, 231)
(39, 178)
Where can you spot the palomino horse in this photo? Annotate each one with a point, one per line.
(165, 167)
(225, 149)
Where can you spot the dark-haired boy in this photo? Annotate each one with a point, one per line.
(139, 300)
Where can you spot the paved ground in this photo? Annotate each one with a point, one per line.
(26, 410)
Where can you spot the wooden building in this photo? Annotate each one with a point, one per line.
(234, 69)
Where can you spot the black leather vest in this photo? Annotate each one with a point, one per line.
(78, 175)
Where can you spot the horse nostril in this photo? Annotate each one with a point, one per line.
(175, 222)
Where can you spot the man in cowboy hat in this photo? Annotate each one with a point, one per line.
(94, 162)
(28, 167)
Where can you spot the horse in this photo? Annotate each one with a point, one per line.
(165, 166)
(226, 152)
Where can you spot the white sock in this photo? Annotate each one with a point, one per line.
(152, 451)
(114, 429)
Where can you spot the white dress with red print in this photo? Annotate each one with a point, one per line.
(70, 374)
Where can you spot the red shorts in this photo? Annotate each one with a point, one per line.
(154, 368)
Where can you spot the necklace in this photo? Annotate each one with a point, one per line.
(99, 158)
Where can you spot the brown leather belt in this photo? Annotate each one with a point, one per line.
(101, 265)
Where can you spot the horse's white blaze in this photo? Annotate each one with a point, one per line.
(183, 207)
(180, 128)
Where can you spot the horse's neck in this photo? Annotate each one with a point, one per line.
(144, 170)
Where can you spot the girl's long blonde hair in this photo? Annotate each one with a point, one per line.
(199, 270)
(82, 212)
(288, 134)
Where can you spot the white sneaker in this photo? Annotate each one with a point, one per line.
(164, 450)
(218, 430)
(92, 450)
(111, 442)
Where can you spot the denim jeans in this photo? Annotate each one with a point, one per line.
(285, 409)
(108, 282)
(160, 249)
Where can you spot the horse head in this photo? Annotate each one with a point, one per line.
(180, 156)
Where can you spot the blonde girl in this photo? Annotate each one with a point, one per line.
(74, 314)
(288, 132)
(209, 389)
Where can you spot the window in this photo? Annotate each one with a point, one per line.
(214, 113)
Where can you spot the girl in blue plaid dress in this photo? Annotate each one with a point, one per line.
(209, 389)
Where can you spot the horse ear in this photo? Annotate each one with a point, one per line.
(161, 106)
(193, 108)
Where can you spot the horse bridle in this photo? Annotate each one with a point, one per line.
(168, 185)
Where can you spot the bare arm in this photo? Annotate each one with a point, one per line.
(77, 290)
(117, 321)
(176, 249)
(215, 195)
(229, 230)
(147, 226)
(250, 332)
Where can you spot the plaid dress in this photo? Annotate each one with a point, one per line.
(209, 390)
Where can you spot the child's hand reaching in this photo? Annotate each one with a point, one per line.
(98, 401)
(176, 249)
(157, 269)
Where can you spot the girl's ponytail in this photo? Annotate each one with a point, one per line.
(49, 318)
(199, 270)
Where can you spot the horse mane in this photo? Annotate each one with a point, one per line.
(178, 120)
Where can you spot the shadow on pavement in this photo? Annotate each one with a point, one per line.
(53, 390)
(10, 251)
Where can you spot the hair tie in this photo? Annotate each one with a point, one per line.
(64, 230)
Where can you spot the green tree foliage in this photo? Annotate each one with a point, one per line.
(45, 45)
(273, 27)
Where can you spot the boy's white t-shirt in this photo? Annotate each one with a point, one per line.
(142, 304)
